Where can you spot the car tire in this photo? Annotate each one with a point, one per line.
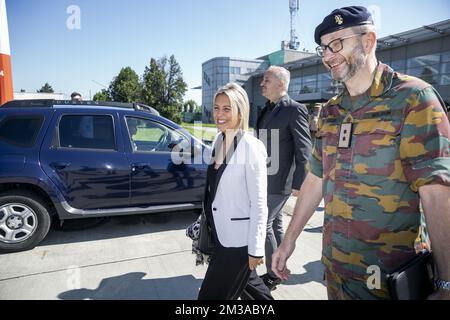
(24, 221)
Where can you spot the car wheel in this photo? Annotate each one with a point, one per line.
(24, 221)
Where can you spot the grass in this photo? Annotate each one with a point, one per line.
(147, 134)
(205, 125)
(201, 134)
(153, 134)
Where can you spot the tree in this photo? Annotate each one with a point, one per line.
(164, 87)
(194, 111)
(153, 85)
(176, 87)
(46, 88)
(102, 96)
(125, 87)
(191, 106)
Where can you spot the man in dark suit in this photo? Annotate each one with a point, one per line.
(283, 127)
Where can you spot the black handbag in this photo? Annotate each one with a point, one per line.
(205, 239)
(413, 280)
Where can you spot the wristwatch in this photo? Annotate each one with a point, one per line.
(442, 284)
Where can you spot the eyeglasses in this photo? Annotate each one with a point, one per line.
(335, 46)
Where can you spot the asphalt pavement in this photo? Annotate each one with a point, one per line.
(140, 257)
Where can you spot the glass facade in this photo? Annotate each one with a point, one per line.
(425, 54)
(399, 65)
(294, 86)
(432, 68)
(220, 71)
(321, 82)
(444, 79)
(424, 67)
(325, 83)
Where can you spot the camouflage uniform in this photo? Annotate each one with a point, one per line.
(400, 142)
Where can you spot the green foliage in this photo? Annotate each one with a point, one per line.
(153, 82)
(191, 111)
(46, 88)
(126, 86)
(172, 112)
(102, 96)
(164, 87)
(191, 106)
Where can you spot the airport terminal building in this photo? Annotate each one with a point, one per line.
(423, 52)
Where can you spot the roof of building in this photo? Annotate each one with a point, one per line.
(233, 59)
(411, 36)
(416, 35)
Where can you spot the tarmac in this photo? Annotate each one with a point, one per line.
(146, 257)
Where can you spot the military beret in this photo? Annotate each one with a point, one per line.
(343, 18)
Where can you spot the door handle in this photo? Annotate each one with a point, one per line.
(140, 166)
(59, 165)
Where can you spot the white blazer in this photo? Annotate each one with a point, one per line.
(240, 204)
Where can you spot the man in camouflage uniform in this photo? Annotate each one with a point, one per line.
(383, 146)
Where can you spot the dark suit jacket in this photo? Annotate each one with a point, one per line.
(294, 145)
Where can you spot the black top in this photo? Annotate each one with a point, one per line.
(213, 177)
(265, 114)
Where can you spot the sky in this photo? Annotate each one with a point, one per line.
(51, 42)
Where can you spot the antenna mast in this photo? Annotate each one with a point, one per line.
(294, 7)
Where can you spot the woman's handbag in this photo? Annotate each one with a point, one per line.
(205, 239)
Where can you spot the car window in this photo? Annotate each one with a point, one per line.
(87, 132)
(20, 130)
(150, 136)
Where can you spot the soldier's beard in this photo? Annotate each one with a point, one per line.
(355, 62)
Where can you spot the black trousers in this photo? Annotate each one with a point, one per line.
(275, 234)
(228, 277)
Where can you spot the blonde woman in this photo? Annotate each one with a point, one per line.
(235, 203)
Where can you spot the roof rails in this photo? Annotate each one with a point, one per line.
(43, 103)
(144, 107)
(39, 103)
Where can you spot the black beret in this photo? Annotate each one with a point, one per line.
(343, 18)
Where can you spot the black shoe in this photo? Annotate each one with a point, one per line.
(270, 282)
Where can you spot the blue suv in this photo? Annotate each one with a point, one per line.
(91, 159)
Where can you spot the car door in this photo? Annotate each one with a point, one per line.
(155, 177)
(83, 155)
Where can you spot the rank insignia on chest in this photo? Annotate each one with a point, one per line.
(345, 135)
